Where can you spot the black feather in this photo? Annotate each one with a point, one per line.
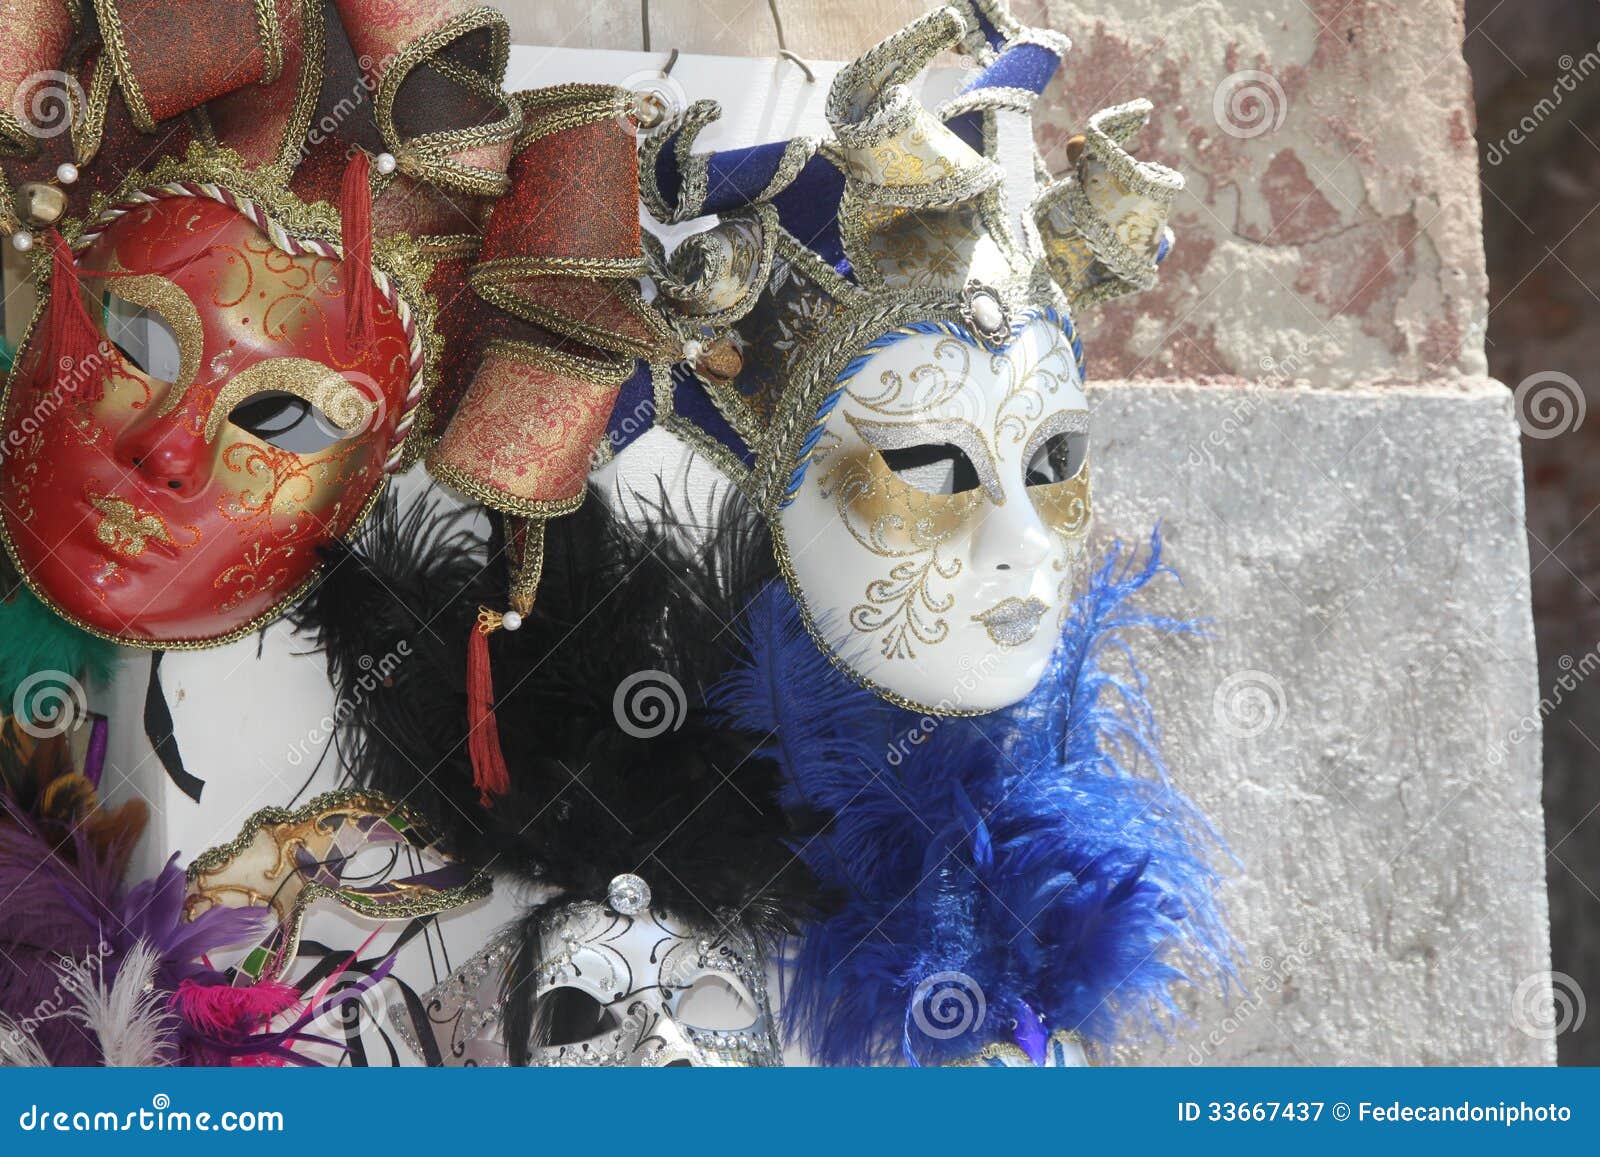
(692, 809)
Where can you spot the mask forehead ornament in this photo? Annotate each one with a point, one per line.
(887, 358)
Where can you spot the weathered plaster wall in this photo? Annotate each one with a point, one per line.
(1361, 726)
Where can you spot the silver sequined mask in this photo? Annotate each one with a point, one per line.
(646, 989)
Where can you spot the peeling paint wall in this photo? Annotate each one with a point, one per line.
(1330, 230)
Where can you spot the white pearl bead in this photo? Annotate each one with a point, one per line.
(386, 163)
(692, 350)
(511, 620)
(67, 173)
(22, 240)
(987, 314)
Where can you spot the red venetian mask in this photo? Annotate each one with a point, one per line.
(176, 487)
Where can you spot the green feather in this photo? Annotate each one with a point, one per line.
(5, 356)
(33, 640)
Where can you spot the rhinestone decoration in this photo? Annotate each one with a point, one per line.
(986, 314)
(628, 895)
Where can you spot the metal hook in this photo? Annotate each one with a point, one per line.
(794, 58)
(783, 45)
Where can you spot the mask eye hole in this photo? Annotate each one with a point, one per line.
(1060, 458)
(568, 1015)
(933, 468)
(716, 1003)
(143, 337)
(286, 421)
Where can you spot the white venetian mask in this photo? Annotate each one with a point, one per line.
(934, 539)
(638, 988)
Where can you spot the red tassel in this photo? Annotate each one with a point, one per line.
(71, 335)
(355, 214)
(489, 773)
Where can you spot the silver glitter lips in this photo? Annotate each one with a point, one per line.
(1013, 621)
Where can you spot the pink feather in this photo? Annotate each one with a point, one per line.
(221, 1008)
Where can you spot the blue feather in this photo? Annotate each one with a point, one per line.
(1039, 856)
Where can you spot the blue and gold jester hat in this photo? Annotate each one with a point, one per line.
(901, 218)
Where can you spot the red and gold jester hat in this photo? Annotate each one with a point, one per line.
(563, 324)
(251, 223)
(561, 329)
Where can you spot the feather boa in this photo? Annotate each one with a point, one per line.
(1002, 877)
